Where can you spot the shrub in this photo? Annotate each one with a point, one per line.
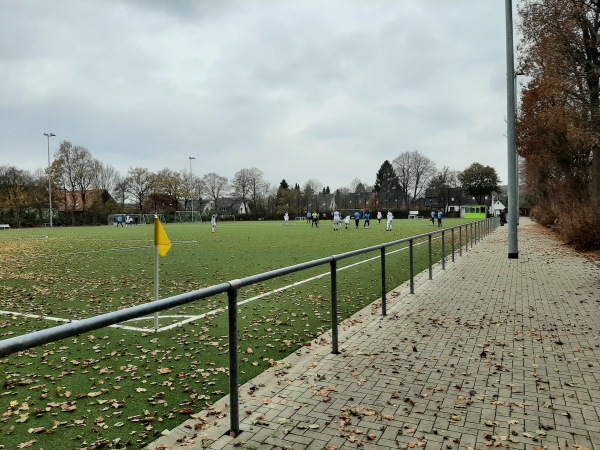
(577, 226)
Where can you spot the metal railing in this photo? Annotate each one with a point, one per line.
(473, 233)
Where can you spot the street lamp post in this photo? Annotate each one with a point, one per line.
(49, 135)
(191, 186)
(513, 207)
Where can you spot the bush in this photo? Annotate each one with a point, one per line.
(543, 216)
(577, 226)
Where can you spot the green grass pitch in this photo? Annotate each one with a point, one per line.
(121, 388)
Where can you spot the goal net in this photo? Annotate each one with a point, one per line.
(134, 219)
(188, 216)
(350, 212)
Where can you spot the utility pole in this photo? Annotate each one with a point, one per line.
(513, 207)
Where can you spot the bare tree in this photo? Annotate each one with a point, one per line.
(447, 186)
(414, 170)
(246, 183)
(139, 184)
(312, 187)
(75, 167)
(120, 191)
(355, 183)
(214, 186)
(168, 187)
(106, 178)
(257, 187)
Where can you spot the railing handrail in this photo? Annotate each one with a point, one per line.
(76, 327)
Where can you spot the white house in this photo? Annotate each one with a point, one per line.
(497, 207)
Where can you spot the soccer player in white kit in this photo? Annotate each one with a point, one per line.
(213, 221)
(286, 217)
(336, 220)
(390, 220)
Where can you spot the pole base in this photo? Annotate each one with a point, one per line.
(513, 255)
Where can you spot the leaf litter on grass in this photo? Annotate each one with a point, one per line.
(120, 389)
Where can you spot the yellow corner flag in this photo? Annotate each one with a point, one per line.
(161, 240)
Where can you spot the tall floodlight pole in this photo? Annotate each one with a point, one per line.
(49, 135)
(513, 207)
(191, 186)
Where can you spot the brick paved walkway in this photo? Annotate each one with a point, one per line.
(491, 353)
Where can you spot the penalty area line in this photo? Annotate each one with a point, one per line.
(60, 319)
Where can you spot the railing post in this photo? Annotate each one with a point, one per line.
(460, 240)
(234, 416)
(443, 250)
(334, 309)
(452, 244)
(412, 266)
(383, 284)
(471, 234)
(430, 258)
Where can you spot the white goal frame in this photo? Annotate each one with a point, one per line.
(138, 219)
(186, 216)
(350, 212)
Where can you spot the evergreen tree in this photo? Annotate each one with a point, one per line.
(386, 179)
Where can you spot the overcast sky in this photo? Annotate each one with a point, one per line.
(300, 89)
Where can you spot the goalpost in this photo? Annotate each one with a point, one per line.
(188, 216)
(350, 212)
(135, 219)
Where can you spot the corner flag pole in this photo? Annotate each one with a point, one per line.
(156, 270)
(162, 245)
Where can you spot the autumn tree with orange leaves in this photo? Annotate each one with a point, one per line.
(558, 128)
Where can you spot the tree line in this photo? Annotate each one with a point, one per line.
(75, 174)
